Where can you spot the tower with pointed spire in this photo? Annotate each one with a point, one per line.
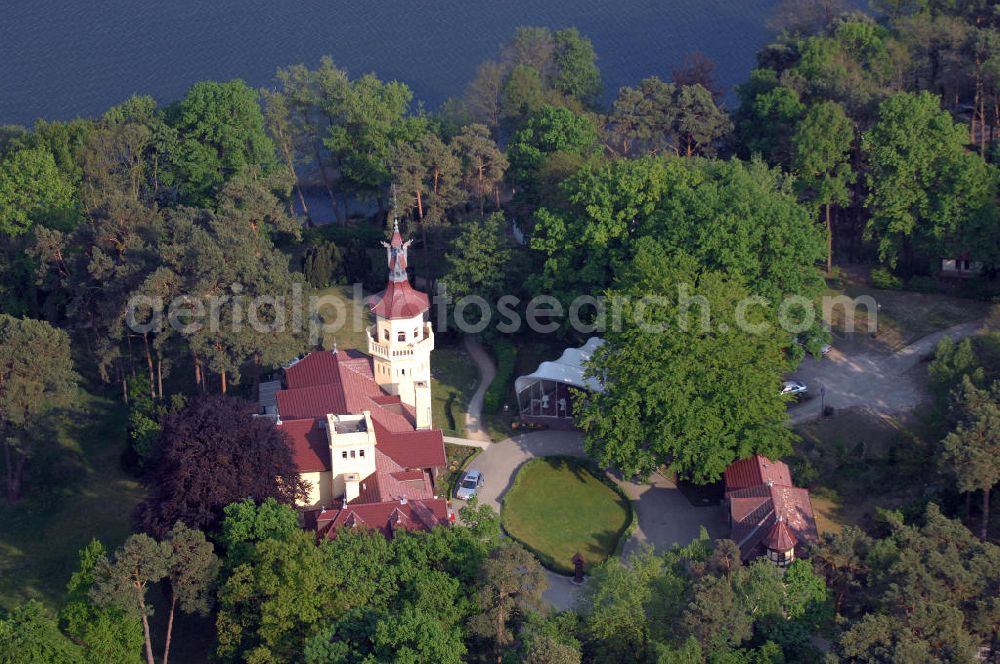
(401, 340)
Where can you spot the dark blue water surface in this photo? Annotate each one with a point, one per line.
(62, 58)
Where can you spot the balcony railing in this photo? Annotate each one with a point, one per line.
(382, 349)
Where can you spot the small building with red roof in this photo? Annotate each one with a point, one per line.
(769, 515)
(360, 425)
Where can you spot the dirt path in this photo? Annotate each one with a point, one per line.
(882, 382)
(474, 428)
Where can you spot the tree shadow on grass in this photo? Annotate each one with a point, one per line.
(74, 490)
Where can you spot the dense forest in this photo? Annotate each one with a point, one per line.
(858, 138)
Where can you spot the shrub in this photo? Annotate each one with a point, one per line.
(322, 265)
(980, 289)
(886, 280)
(804, 471)
(836, 278)
(505, 354)
(923, 284)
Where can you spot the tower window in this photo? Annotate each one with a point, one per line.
(401, 336)
(352, 454)
(361, 453)
(385, 334)
(416, 333)
(343, 454)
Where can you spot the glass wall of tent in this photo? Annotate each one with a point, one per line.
(545, 398)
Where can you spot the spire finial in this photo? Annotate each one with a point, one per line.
(395, 209)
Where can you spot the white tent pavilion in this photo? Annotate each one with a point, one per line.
(545, 392)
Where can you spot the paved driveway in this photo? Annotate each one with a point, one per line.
(665, 516)
(885, 383)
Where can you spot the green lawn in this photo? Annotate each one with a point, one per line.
(558, 507)
(453, 381)
(350, 333)
(74, 490)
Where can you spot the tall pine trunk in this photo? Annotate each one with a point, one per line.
(197, 371)
(149, 366)
(829, 242)
(159, 374)
(986, 515)
(326, 182)
(482, 194)
(14, 463)
(170, 626)
(149, 642)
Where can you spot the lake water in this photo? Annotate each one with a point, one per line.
(62, 58)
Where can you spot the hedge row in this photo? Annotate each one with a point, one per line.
(505, 354)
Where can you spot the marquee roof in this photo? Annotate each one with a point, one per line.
(568, 369)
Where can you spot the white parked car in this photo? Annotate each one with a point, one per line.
(469, 485)
(793, 388)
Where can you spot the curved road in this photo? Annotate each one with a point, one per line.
(883, 383)
(665, 516)
(473, 417)
(878, 381)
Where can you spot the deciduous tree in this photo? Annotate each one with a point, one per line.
(821, 158)
(108, 634)
(687, 383)
(213, 453)
(34, 191)
(28, 635)
(926, 190)
(221, 134)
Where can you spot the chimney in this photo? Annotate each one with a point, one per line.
(422, 404)
(352, 484)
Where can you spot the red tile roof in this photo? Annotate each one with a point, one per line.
(399, 300)
(755, 511)
(411, 449)
(391, 481)
(351, 390)
(399, 495)
(755, 471)
(389, 517)
(312, 402)
(321, 367)
(310, 446)
(780, 538)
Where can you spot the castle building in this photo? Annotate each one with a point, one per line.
(360, 425)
